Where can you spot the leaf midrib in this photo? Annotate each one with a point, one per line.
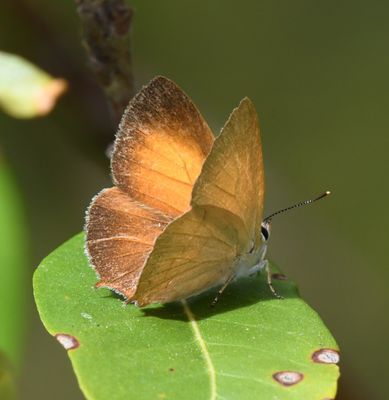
(203, 348)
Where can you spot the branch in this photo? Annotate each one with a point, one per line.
(106, 36)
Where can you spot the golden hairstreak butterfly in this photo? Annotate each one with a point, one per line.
(185, 212)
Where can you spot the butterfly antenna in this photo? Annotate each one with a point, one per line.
(303, 203)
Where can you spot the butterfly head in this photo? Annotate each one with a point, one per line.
(265, 230)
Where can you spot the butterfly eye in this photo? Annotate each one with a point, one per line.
(265, 233)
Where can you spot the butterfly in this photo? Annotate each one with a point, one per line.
(185, 213)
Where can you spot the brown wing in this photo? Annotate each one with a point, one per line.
(160, 147)
(120, 235)
(195, 252)
(232, 177)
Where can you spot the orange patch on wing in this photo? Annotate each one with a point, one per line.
(160, 169)
(160, 147)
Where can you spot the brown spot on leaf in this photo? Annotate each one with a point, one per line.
(69, 342)
(171, 369)
(279, 277)
(326, 356)
(288, 378)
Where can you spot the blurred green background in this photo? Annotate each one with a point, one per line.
(318, 74)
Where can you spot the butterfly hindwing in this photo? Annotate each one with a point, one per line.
(195, 252)
(120, 235)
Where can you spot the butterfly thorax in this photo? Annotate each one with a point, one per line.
(251, 261)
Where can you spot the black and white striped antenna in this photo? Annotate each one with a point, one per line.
(303, 203)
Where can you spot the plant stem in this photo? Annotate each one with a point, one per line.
(106, 35)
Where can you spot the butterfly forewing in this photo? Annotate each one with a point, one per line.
(160, 147)
(232, 177)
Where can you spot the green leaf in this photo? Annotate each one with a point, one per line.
(184, 351)
(25, 90)
(13, 265)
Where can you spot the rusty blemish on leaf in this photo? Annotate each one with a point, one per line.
(326, 356)
(68, 342)
(288, 378)
(279, 277)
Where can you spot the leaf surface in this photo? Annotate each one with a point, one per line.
(185, 350)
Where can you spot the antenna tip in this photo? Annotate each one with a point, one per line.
(327, 192)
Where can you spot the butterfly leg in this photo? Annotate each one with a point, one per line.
(269, 281)
(221, 290)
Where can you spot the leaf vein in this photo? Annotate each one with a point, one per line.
(203, 349)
